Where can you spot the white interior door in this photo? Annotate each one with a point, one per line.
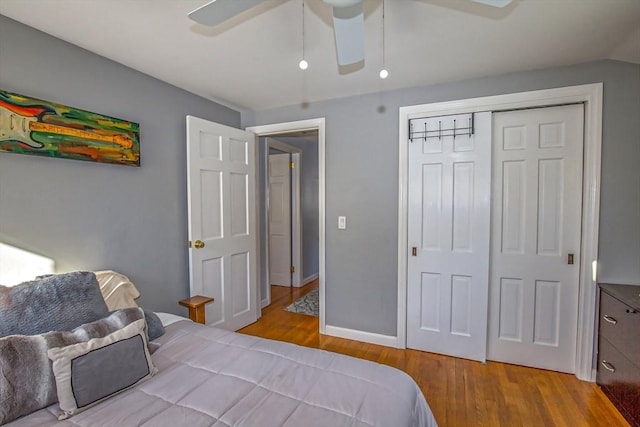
(280, 219)
(222, 221)
(448, 225)
(537, 187)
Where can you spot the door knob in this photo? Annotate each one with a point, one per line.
(199, 244)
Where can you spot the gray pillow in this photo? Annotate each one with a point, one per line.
(27, 382)
(90, 372)
(54, 303)
(154, 325)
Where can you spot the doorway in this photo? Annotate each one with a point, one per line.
(312, 199)
(591, 97)
(529, 163)
(281, 207)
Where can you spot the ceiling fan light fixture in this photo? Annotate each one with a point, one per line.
(383, 73)
(303, 64)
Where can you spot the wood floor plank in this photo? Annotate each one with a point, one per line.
(460, 392)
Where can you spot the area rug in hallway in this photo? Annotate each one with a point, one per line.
(307, 304)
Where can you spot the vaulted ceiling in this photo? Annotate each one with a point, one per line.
(251, 61)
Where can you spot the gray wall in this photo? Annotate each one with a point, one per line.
(309, 204)
(92, 216)
(362, 181)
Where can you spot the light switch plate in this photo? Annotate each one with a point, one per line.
(342, 222)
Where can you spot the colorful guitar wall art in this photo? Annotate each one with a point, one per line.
(18, 123)
(32, 126)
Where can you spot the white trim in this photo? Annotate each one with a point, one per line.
(310, 279)
(319, 125)
(352, 334)
(590, 229)
(259, 295)
(261, 218)
(265, 302)
(296, 224)
(591, 95)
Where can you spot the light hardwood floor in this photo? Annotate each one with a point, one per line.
(460, 392)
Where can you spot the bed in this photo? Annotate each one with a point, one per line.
(207, 376)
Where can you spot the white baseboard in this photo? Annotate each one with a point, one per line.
(368, 337)
(264, 303)
(310, 279)
(305, 281)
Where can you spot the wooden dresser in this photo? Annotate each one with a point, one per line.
(619, 348)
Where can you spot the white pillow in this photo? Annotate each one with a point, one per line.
(117, 290)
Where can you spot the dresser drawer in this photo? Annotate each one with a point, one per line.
(620, 380)
(620, 325)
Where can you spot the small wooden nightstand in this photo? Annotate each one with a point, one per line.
(196, 304)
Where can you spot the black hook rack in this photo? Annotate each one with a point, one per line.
(440, 133)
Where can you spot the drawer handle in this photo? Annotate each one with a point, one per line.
(608, 366)
(610, 319)
(631, 311)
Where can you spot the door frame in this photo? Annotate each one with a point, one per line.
(591, 96)
(294, 126)
(296, 212)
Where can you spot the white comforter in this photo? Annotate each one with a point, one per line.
(212, 377)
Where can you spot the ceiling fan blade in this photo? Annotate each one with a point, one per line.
(494, 3)
(218, 11)
(348, 25)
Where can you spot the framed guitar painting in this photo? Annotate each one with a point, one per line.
(41, 128)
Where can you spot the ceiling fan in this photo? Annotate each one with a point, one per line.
(348, 21)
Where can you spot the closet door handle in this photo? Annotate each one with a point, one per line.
(610, 319)
(608, 366)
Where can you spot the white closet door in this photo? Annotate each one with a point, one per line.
(536, 220)
(448, 225)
